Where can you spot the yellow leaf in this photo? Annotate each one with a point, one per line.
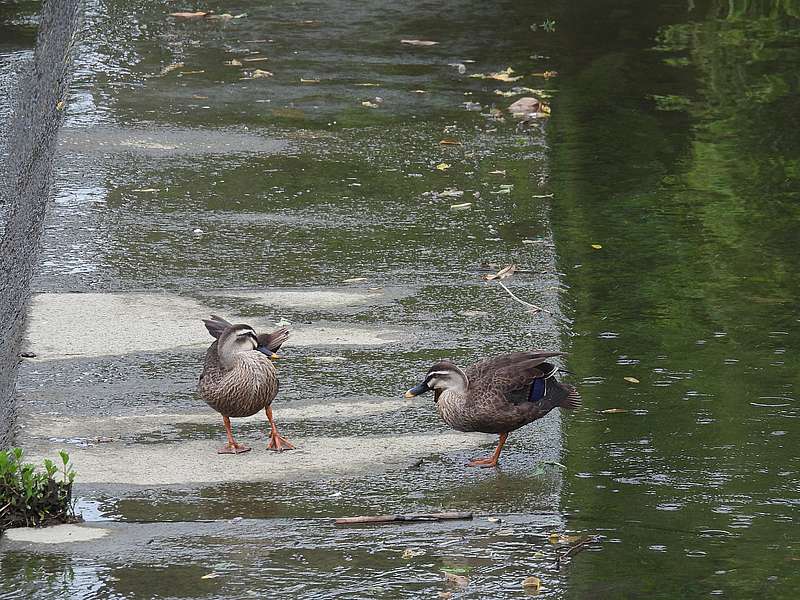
(442, 166)
(533, 583)
(596, 246)
(631, 379)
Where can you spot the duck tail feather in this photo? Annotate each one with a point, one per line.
(572, 400)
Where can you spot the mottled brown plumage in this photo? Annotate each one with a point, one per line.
(238, 377)
(497, 395)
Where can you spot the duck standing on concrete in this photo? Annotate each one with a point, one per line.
(497, 395)
(239, 378)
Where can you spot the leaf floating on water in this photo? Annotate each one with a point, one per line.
(462, 206)
(546, 74)
(611, 411)
(368, 104)
(532, 583)
(412, 552)
(442, 166)
(233, 63)
(60, 105)
(596, 246)
(418, 42)
(449, 142)
(631, 379)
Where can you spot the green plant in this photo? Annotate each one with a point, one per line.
(32, 497)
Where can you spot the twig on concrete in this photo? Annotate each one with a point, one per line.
(413, 517)
(521, 301)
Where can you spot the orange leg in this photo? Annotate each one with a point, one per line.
(276, 441)
(490, 461)
(232, 447)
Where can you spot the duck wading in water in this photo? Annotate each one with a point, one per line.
(239, 379)
(497, 395)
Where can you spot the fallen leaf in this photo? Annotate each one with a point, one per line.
(463, 206)
(449, 193)
(418, 42)
(258, 74)
(546, 74)
(532, 583)
(610, 411)
(460, 581)
(504, 75)
(369, 104)
(233, 63)
(226, 16)
(596, 246)
(442, 166)
(503, 273)
(412, 552)
(169, 68)
(60, 105)
(631, 379)
(449, 142)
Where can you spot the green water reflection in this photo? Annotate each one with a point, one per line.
(676, 150)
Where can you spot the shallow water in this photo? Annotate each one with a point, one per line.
(672, 146)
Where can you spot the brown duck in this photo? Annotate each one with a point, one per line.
(497, 395)
(239, 379)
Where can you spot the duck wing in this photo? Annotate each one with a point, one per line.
(508, 373)
(216, 325)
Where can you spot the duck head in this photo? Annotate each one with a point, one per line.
(235, 339)
(441, 377)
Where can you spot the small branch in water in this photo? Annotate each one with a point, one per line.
(413, 517)
(573, 550)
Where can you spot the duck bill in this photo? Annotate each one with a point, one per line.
(268, 352)
(418, 389)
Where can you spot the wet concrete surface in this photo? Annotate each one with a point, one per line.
(336, 221)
